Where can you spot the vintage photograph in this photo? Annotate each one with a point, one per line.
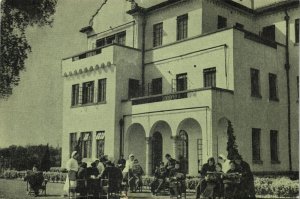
(132, 99)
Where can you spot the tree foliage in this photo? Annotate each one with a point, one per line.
(232, 147)
(16, 16)
(22, 158)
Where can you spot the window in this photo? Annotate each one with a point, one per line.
(255, 85)
(100, 142)
(181, 84)
(157, 34)
(86, 150)
(255, 144)
(73, 142)
(75, 94)
(110, 39)
(100, 42)
(121, 38)
(239, 26)
(269, 32)
(101, 90)
(297, 31)
(209, 77)
(156, 86)
(273, 94)
(88, 92)
(274, 145)
(133, 90)
(222, 22)
(182, 27)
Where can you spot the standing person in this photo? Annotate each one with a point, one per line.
(135, 175)
(100, 165)
(170, 163)
(209, 166)
(247, 180)
(72, 168)
(114, 176)
(224, 161)
(128, 166)
(82, 176)
(121, 162)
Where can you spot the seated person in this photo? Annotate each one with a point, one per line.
(219, 188)
(82, 176)
(114, 176)
(93, 179)
(177, 184)
(35, 180)
(231, 187)
(159, 178)
(207, 167)
(135, 176)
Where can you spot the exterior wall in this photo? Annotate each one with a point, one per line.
(183, 57)
(169, 18)
(211, 10)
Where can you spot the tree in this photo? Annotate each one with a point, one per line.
(232, 147)
(16, 16)
(46, 162)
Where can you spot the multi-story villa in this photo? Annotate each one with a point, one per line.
(168, 78)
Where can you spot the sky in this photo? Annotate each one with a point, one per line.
(33, 113)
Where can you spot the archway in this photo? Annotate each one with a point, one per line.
(189, 145)
(161, 143)
(135, 143)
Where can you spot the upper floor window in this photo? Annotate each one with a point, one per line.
(72, 143)
(268, 32)
(239, 26)
(75, 94)
(181, 84)
(255, 84)
(88, 92)
(100, 142)
(273, 93)
(274, 145)
(157, 34)
(182, 26)
(222, 22)
(100, 42)
(297, 31)
(101, 90)
(121, 38)
(156, 86)
(133, 88)
(256, 144)
(209, 76)
(86, 138)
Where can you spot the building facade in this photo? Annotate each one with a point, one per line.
(168, 78)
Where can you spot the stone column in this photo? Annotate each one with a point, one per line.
(174, 147)
(148, 156)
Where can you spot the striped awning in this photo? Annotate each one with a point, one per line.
(100, 135)
(86, 137)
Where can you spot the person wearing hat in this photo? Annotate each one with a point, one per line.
(247, 180)
(72, 168)
(225, 162)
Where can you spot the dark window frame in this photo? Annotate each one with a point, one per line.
(255, 82)
(157, 34)
(239, 26)
(100, 144)
(256, 145)
(222, 22)
(72, 142)
(209, 77)
(182, 27)
(273, 87)
(101, 90)
(297, 31)
(86, 145)
(156, 86)
(75, 95)
(121, 38)
(269, 32)
(274, 146)
(88, 92)
(133, 88)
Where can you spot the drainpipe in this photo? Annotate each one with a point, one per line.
(287, 70)
(121, 124)
(143, 51)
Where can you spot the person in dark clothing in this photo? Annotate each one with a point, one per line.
(114, 177)
(247, 180)
(177, 184)
(170, 163)
(35, 179)
(121, 162)
(93, 180)
(159, 178)
(232, 188)
(209, 166)
(82, 177)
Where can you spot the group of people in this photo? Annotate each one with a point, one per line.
(83, 179)
(170, 173)
(226, 179)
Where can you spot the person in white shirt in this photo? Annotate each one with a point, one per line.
(128, 165)
(225, 162)
(72, 168)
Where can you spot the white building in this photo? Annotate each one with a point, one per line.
(167, 78)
